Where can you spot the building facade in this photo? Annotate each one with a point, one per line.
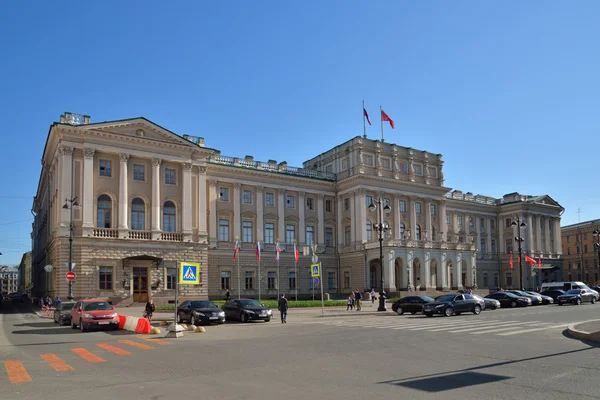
(582, 252)
(25, 281)
(9, 281)
(138, 199)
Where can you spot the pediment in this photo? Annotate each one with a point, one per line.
(312, 220)
(291, 218)
(225, 213)
(249, 215)
(346, 221)
(547, 200)
(330, 222)
(271, 216)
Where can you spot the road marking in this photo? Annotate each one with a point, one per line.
(533, 330)
(471, 325)
(454, 323)
(87, 355)
(16, 372)
(508, 328)
(152, 340)
(56, 363)
(113, 349)
(488, 326)
(136, 344)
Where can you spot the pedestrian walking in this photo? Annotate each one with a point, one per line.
(149, 310)
(357, 297)
(350, 302)
(372, 296)
(227, 296)
(283, 308)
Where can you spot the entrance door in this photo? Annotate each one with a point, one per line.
(140, 284)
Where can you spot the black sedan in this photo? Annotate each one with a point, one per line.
(62, 313)
(554, 293)
(246, 310)
(411, 304)
(535, 300)
(577, 296)
(488, 304)
(452, 304)
(507, 299)
(545, 299)
(200, 312)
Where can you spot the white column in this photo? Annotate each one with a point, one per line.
(88, 190)
(443, 225)
(538, 234)
(302, 219)
(123, 194)
(489, 232)
(340, 234)
(557, 237)
(354, 221)
(457, 271)
(425, 272)
(427, 206)
(397, 217)
(66, 187)
(413, 218)
(321, 216)
(477, 222)
(212, 210)
(281, 217)
(260, 225)
(442, 280)
(529, 244)
(156, 198)
(389, 271)
(186, 192)
(547, 249)
(361, 215)
(237, 211)
(202, 232)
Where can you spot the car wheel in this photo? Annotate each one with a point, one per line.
(428, 314)
(413, 312)
(477, 310)
(221, 322)
(244, 317)
(449, 311)
(400, 311)
(513, 304)
(268, 320)
(578, 302)
(593, 300)
(193, 320)
(81, 327)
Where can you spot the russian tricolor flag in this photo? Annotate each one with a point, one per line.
(257, 251)
(236, 250)
(277, 251)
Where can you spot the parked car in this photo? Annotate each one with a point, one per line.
(554, 293)
(246, 310)
(452, 304)
(93, 313)
(200, 312)
(536, 300)
(16, 297)
(508, 299)
(411, 304)
(545, 299)
(577, 296)
(62, 313)
(488, 304)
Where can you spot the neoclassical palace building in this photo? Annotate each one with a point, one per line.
(138, 199)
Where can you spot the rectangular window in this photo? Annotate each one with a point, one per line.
(493, 246)
(309, 203)
(447, 220)
(485, 280)
(330, 280)
(328, 236)
(509, 281)
(223, 194)
(508, 245)
(139, 172)
(493, 224)
(568, 251)
(346, 204)
(225, 280)
(290, 234)
(368, 201)
(482, 248)
(328, 207)
(386, 202)
(271, 278)
(269, 200)
(570, 265)
(247, 196)
(105, 168)
(432, 209)
(482, 222)
(346, 279)
(402, 206)
(269, 233)
(347, 236)
(249, 280)
(496, 281)
(568, 239)
(310, 235)
(292, 280)
(459, 220)
(171, 278)
(418, 208)
(585, 248)
(105, 279)
(224, 230)
(507, 222)
(169, 176)
(418, 169)
(247, 232)
(290, 202)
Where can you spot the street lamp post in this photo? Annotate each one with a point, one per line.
(518, 221)
(596, 234)
(69, 204)
(381, 228)
(475, 273)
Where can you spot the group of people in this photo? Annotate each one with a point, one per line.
(47, 303)
(354, 300)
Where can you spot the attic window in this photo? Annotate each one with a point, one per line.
(140, 133)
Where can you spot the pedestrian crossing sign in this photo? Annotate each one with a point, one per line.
(315, 270)
(189, 273)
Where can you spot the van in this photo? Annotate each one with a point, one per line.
(563, 285)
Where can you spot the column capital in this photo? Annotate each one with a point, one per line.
(201, 169)
(124, 157)
(413, 198)
(320, 196)
(89, 152)
(213, 183)
(260, 189)
(156, 162)
(66, 150)
(281, 191)
(237, 185)
(187, 166)
(397, 196)
(301, 193)
(361, 191)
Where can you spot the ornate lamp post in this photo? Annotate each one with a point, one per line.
(381, 228)
(596, 234)
(69, 204)
(517, 221)
(474, 272)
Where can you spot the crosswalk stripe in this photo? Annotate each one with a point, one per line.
(153, 340)
(136, 344)
(453, 323)
(508, 328)
(87, 355)
(16, 371)
(113, 349)
(486, 326)
(56, 363)
(533, 330)
(472, 325)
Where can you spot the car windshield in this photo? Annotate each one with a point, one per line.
(512, 295)
(97, 306)
(67, 306)
(533, 293)
(574, 291)
(203, 304)
(447, 297)
(250, 303)
(427, 299)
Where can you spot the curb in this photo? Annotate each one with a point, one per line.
(583, 335)
(388, 313)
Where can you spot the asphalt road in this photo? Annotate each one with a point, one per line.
(347, 357)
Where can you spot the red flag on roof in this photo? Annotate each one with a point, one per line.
(385, 117)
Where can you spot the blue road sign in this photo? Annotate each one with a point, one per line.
(316, 281)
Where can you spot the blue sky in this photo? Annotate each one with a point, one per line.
(507, 91)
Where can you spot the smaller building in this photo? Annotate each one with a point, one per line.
(25, 278)
(581, 252)
(9, 281)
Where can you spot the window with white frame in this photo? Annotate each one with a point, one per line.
(386, 163)
(485, 280)
(269, 233)
(249, 280)
(402, 206)
(386, 202)
(344, 163)
(169, 214)
(139, 172)
(507, 222)
(331, 280)
(309, 203)
(368, 160)
(105, 278)
(368, 201)
(509, 280)
(225, 280)
(310, 235)
(493, 246)
(482, 247)
(290, 202)
(346, 279)
(447, 220)
(459, 220)
(104, 211)
(247, 197)
(508, 244)
(418, 232)
(224, 230)
(482, 222)
(269, 200)
(290, 234)
(247, 232)
(432, 209)
(328, 236)
(418, 169)
(418, 208)
(223, 194)
(138, 214)
(171, 278)
(292, 280)
(105, 168)
(432, 172)
(271, 280)
(402, 230)
(170, 176)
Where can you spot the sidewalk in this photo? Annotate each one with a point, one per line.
(588, 331)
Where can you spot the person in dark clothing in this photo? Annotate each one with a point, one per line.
(227, 296)
(283, 308)
(357, 298)
(149, 310)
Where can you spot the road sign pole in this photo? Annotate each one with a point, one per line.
(321, 283)
(176, 294)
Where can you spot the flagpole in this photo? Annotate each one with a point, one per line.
(258, 244)
(381, 117)
(278, 280)
(364, 127)
(295, 271)
(238, 275)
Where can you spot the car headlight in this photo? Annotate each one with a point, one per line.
(221, 313)
(269, 312)
(249, 311)
(88, 316)
(439, 306)
(114, 315)
(200, 314)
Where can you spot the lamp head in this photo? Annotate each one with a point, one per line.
(523, 224)
(514, 223)
(596, 233)
(65, 207)
(387, 208)
(372, 207)
(75, 203)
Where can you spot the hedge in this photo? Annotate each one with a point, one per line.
(273, 304)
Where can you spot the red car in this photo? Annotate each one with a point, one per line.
(93, 313)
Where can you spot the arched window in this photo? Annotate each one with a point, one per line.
(418, 232)
(138, 213)
(369, 231)
(104, 213)
(169, 216)
(402, 228)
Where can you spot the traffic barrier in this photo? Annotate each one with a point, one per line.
(134, 324)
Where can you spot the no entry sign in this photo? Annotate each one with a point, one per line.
(70, 276)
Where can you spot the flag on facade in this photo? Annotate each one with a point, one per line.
(277, 251)
(539, 263)
(366, 115)
(257, 251)
(296, 255)
(236, 250)
(385, 117)
(530, 260)
(510, 262)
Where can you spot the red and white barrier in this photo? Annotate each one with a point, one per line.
(134, 324)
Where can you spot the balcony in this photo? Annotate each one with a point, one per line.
(140, 235)
(171, 236)
(106, 233)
